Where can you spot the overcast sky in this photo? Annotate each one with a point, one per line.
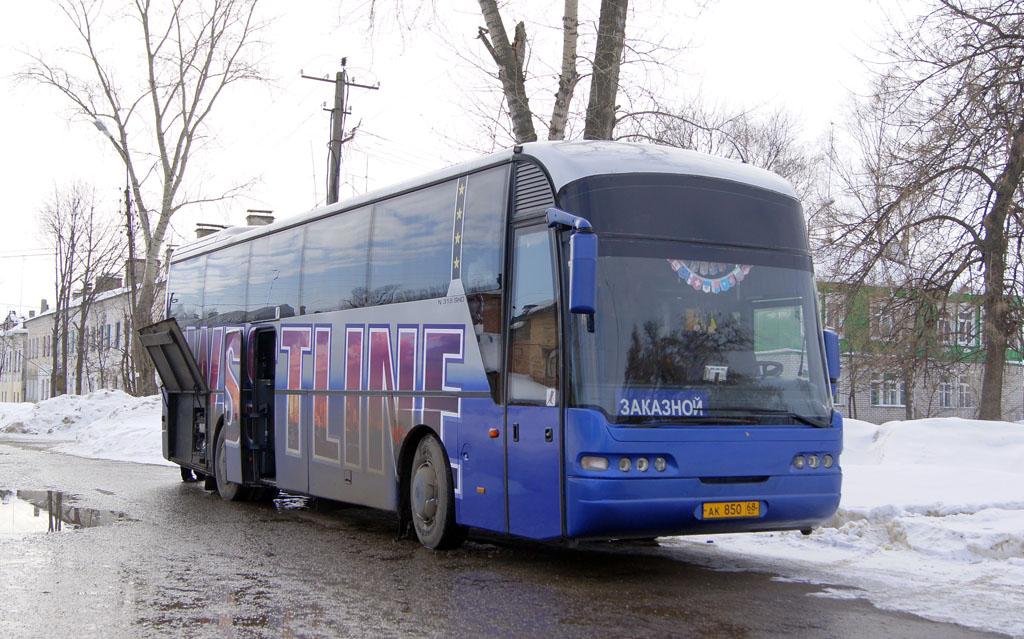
(797, 54)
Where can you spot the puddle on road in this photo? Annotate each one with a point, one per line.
(45, 511)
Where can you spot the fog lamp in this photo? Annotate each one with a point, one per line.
(813, 461)
(625, 464)
(827, 461)
(642, 464)
(799, 462)
(659, 464)
(594, 463)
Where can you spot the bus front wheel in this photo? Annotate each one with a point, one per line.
(432, 497)
(227, 490)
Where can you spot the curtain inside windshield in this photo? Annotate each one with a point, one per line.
(684, 331)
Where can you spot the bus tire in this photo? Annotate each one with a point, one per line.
(432, 497)
(227, 490)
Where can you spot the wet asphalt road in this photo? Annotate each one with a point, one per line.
(174, 560)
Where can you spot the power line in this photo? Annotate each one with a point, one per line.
(24, 255)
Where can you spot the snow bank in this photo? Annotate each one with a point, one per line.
(931, 521)
(949, 488)
(107, 424)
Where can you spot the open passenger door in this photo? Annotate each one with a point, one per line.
(186, 394)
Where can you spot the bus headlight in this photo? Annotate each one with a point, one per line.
(799, 462)
(813, 461)
(590, 462)
(659, 464)
(827, 461)
(642, 464)
(625, 464)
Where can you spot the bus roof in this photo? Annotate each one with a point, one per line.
(565, 162)
(569, 161)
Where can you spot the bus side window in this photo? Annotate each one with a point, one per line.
(533, 365)
(482, 260)
(274, 277)
(334, 262)
(186, 298)
(224, 299)
(411, 245)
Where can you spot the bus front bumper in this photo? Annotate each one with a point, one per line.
(629, 508)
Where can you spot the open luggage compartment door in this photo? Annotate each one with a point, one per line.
(186, 393)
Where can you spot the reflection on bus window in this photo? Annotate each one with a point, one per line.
(533, 368)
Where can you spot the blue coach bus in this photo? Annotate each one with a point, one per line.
(563, 340)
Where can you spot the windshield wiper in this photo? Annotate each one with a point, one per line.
(781, 413)
(648, 420)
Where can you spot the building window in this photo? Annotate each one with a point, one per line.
(946, 397)
(888, 391)
(965, 396)
(885, 323)
(965, 326)
(839, 398)
(957, 326)
(833, 311)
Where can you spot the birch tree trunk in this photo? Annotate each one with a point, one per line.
(604, 84)
(568, 78)
(510, 58)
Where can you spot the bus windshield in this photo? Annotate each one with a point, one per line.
(692, 332)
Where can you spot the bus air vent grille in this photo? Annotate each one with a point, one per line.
(533, 191)
(734, 480)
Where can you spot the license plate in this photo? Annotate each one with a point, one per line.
(731, 509)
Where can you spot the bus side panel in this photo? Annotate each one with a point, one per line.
(534, 490)
(337, 432)
(292, 416)
(347, 438)
(482, 459)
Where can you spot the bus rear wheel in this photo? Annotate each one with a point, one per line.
(227, 490)
(432, 497)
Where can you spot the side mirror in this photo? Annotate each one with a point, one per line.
(832, 357)
(582, 260)
(583, 273)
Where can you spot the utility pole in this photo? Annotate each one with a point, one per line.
(338, 113)
(130, 223)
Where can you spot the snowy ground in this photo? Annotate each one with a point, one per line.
(931, 520)
(104, 425)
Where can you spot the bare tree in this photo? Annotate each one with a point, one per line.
(62, 223)
(101, 249)
(948, 116)
(510, 58)
(192, 53)
(769, 140)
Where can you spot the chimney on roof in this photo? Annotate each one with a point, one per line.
(140, 270)
(31, 313)
(204, 228)
(107, 282)
(44, 306)
(258, 217)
